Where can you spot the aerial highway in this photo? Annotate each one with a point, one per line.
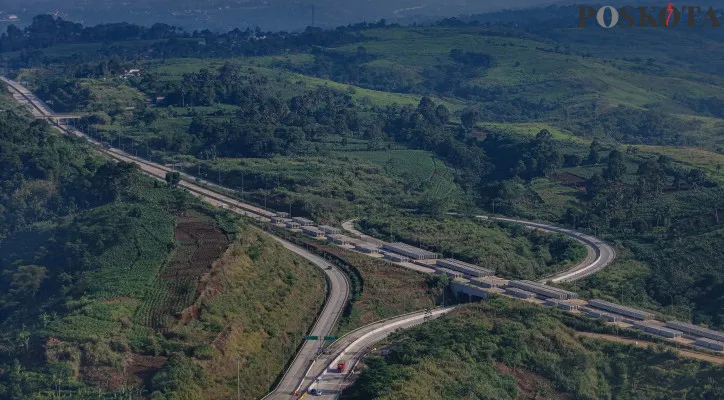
(598, 253)
(310, 368)
(326, 321)
(349, 349)
(338, 292)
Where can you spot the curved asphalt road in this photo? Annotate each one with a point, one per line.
(353, 346)
(338, 283)
(339, 293)
(305, 366)
(600, 255)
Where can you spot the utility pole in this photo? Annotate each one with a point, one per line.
(242, 188)
(238, 378)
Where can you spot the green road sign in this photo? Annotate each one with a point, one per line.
(332, 338)
(312, 337)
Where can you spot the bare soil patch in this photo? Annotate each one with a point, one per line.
(141, 369)
(568, 179)
(180, 283)
(530, 385)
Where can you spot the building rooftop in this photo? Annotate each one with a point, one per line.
(453, 263)
(408, 250)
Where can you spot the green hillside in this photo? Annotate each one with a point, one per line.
(505, 349)
(616, 134)
(112, 281)
(377, 121)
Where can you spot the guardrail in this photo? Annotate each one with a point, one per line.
(365, 350)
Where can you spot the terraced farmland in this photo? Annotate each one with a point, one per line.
(200, 243)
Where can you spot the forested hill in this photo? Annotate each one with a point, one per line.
(274, 14)
(505, 349)
(111, 281)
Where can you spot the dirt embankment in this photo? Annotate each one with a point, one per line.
(180, 282)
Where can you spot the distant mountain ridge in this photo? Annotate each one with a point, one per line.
(269, 15)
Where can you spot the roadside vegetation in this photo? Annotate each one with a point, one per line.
(387, 291)
(114, 282)
(378, 289)
(514, 350)
(509, 249)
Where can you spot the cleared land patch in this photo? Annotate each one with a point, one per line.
(200, 244)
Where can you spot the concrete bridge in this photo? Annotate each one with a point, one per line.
(65, 118)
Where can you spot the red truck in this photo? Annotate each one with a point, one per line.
(341, 366)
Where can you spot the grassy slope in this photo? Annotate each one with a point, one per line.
(387, 291)
(529, 72)
(288, 83)
(567, 77)
(419, 170)
(340, 187)
(518, 351)
(376, 287)
(268, 299)
(261, 298)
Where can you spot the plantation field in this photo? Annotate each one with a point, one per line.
(127, 268)
(258, 301)
(199, 244)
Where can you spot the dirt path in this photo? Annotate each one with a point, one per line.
(640, 343)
